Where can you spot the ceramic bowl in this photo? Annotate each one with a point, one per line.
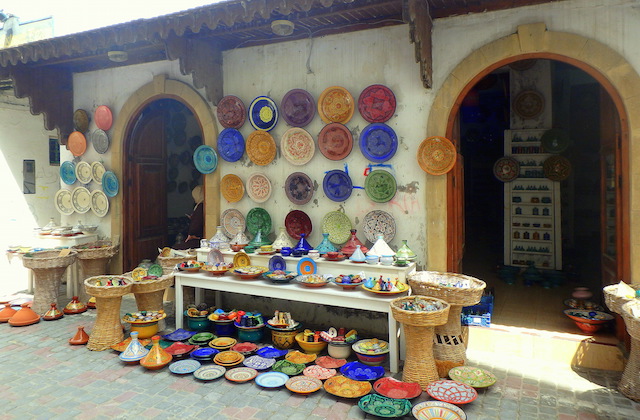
(308, 346)
(237, 247)
(372, 359)
(339, 350)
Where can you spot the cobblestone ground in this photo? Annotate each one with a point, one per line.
(43, 377)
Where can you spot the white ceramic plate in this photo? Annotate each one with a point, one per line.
(83, 172)
(63, 202)
(258, 187)
(97, 170)
(81, 199)
(99, 203)
(297, 146)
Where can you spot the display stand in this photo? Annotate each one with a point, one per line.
(94, 262)
(107, 329)
(48, 268)
(149, 294)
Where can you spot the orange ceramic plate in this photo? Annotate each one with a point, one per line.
(336, 105)
(232, 188)
(342, 386)
(261, 147)
(77, 143)
(437, 155)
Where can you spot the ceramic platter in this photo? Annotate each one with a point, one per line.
(241, 374)
(337, 185)
(272, 379)
(277, 263)
(230, 145)
(557, 168)
(205, 159)
(99, 203)
(381, 406)
(258, 219)
(360, 372)
(335, 141)
(232, 222)
(179, 335)
(306, 266)
(377, 103)
(393, 388)
(318, 372)
(380, 186)
(437, 410)
(258, 187)
(341, 386)
(103, 117)
(506, 169)
(231, 112)
(77, 143)
(338, 226)
(83, 172)
(263, 113)
(97, 172)
(81, 120)
(258, 362)
(402, 287)
(110, 184)
(453, 392)
(81, 200)
(476, 377)
(303, 384)
(183, 367)
(329, 362)
(298, 108)
(232, 188)
(68, 172)
(297, 222)
(209, 373)
(100, 141)
(336, 105)
(379, 222)
(437, 155)
(378, 142)
(528, 104)
(241, 259)
(299, 188)
(63, 203)
(297, 146)
(261, 148)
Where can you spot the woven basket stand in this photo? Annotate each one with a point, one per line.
(94, 262)
(150, 295)
(613, 301)
(168, 264)
(629, 384)
(48, 268)
(107, 329)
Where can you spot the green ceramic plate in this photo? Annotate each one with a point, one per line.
(288, 367)
(473, 376)
(381, 406)
(338, 226)
(258, 219)
(155, 270)
(380, 186)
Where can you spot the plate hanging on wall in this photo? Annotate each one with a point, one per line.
(555, 141)
(298, 107)
(557, 168)
(232, 188)
(103, 117)
(81, 120)
(231, 112)
(230, 145)
(528, 104)
(99, 203)
(261, 147)
(297, 146)
(232, 222)
(299, 188)
(81, 200)
(379, 222)
(378, 142)
(110, 184)
(338, 226)
(77, 143)
(337, 185)
(506, 169)
(437, 155)
(63, 203)
(83, 172)
(297, 222)
(97, 172)
(68, 172)
(100, 141)
(377, 103)
(205, 159)
(258, 219)
(263, 113)
(259, 187)
(335, 141)
(380, 186)
(336, 105)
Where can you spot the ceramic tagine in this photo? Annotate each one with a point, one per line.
(134, 351)
(257, 242)
(358, 255)
(380, 248)
(326, 245)
(157, 358)
(80, 338)
(240, 239)
(7, 312)
(302, 247)
(405, 253)
(282, 241)
(219, 240)
(351, 244)
(25, 316)
(53, 313)
(74, 307)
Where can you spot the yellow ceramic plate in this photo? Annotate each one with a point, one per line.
(401, 289)
(138, 273)
(300, 357)
(241, 259)
(232, 188)
(336, 105)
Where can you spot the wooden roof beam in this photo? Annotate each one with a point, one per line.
(418, 16)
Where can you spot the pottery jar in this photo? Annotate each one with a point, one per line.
(386, 260)
(339, 349)
(314, 254)
(372, 259)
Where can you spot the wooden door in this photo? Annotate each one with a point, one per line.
(145, 196)
(455, 206)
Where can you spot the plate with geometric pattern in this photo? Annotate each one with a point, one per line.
(63, 203)
(81, 199)
(83, 172)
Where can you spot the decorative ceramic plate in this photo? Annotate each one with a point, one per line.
(303, 384)
(249, 272)
(100, 141)
(378, 142)
(110, 184)
(298, 107)
(318, 372)
(230, 145)
(437, 410)
(338, 226)
(377, 103)
(263, 113)
(528, 104)
(68, 172)
(83, 172)
(182, 367)
(103, 117)
(232, 188)
(297, 146)
(287, 367)
(271, 352)
(261, 148)
(99, 203)
(245, 348)
(555, 141)
(342, 386)
(277, 263)
(228, 358)
(557, 168)
(215, 257)
(205, 159)
(298, 222)
(278, 277)
(81, 120)
(299, 188)
(97, 172)
(476, 377)
(209, 373)
(297, 356)
(63, 202)
(335, 141)
(402, 287)
(272, 379)
(232, 222)
(336, 105)
(241, 374)
(337, 185)
(360, 372)
(378, 405)
(258, 219)
(155, 270)
(437, 155)
(506, 169)
(77, 143)
(329, 362)
(379, 222)
(178, 348)
(231, 112)
(307, 266)
(241, 259)
(380, 186)
(393, 388)
(258, 187)
(453, 392)
(138, 273)
(258, 362)
(179, 335)
(81, 200)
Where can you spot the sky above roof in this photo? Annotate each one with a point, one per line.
(71, 16)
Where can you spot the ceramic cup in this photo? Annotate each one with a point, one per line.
(386, 260)
(285, 251)
(372, 259)
(332, 255)
(314, 253)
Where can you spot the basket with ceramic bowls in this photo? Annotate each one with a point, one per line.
(616, 295)
(108, 291)
(168, 260)
(149, 293)
(629, 384)
(458, 290)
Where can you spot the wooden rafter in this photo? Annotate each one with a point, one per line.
(420, 27)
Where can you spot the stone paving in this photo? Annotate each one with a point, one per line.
(43, 377)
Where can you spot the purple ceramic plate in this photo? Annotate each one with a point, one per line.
(299, 188)
(298, 107)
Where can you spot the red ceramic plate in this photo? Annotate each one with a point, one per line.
(335, 141)
(77, 143)
(231, 112)
(298, 222)
(393, 388)
(103, 117)
(329, 362)
(377, 103)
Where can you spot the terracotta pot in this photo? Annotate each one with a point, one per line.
(23, 317)
(74, 307)
(80, 338)
(7, 312)
(52, 314)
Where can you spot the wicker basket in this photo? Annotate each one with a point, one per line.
(48, 259)
(425, 283)
(629, 384)
(419, 319)
(107, 330)
(48, 268)
(169, 263)
(158, 284)
(107, 291)
(105, 250)
(615, 302)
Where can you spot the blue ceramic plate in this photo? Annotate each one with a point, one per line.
(271, 352)
(378, 142)
(179, 335)
(110, 184)
(337, 185)
(205, 353)
(307, 265)
(277, 263)
(361, 372)
(263, 113)
(272, 379)
(259, 362)
(68, 172)
(205, 159)
(182, 367)
(230, 145)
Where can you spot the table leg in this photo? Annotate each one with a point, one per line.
(394, 357)
(179, 306)
(217, 299)
(198, 294)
